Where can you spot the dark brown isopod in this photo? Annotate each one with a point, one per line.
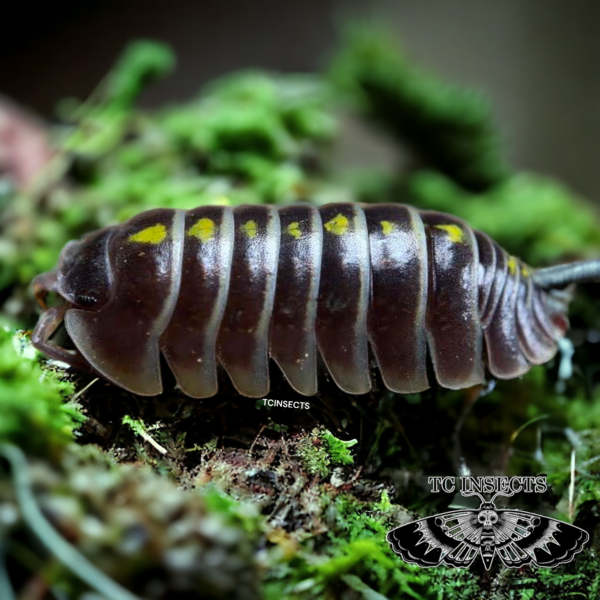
(238, 286)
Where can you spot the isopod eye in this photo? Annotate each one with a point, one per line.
(85, 301)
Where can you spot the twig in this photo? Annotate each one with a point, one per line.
(356, 474)
(256, 438)
(85, 389)
(139, 429)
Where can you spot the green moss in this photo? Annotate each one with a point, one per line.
(139, 528)
(339, 450)
(447, 126)
(33, 411)
(143, 62)
(322, 450)
(353, 555)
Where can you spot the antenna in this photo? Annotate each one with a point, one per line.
(561, 275)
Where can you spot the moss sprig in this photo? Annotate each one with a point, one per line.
(34, 412)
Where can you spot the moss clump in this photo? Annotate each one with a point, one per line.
(33, 412)
(448, 127)
(354, 560)
(322, 450)
(137, 527)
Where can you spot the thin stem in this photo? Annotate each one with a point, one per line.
(6, 589)
(64, 552)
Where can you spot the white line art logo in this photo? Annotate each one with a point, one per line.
(517, 537)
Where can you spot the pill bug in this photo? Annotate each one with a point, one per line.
(359, 285)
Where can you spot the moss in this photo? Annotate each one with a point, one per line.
(448, 127)
(248, 138)
(135, 525)
(322, 450)
(359, 560)
(33, 412)
(339, 450)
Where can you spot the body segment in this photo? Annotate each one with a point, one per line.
(399, 267)
(344, 297)
(453, 316)
(293, 340)
(242, 345)
(189, 341)
(121, 339)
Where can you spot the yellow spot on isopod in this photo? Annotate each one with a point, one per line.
(203, 229)
(250, 228)
(525, 270)
(338, 225)
(294, 230)
(455, 233)
(512, 265)
(387, 227)
(151, 235)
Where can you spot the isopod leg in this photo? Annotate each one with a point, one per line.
(47, 325)
(42, 284)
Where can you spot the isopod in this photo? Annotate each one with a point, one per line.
(382, 286)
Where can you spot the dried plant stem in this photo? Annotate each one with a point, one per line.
(139, 429)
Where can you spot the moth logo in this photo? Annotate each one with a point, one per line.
(517, 537)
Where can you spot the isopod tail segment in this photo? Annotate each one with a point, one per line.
(384, 286)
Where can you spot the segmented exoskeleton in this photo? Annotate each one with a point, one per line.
(238, 286)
